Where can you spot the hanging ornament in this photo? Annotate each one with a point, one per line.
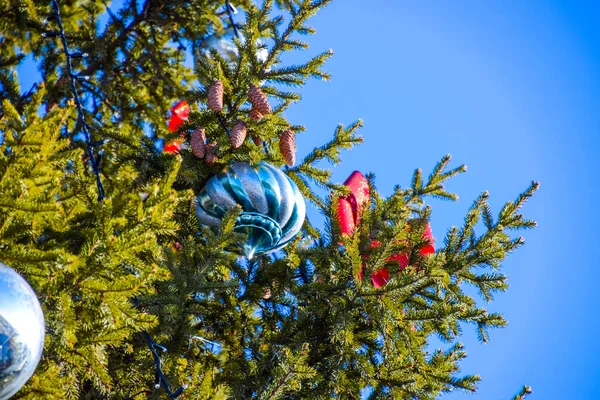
(349, 207)
(429, 247)
(215, 96)
(173, 147)
(179, 114)
(224, 46)
(198, 142)
(287, 147)
(273, 208)
(349, 210)
(259, 100)
(381, 277)
(22, 332)
(238, 134)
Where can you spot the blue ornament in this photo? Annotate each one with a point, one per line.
(273, 208)
(22, 331)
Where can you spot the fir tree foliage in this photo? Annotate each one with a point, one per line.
(304, 323)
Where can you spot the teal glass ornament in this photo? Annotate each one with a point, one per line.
(273, 209)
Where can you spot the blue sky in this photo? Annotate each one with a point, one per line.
(512, 90)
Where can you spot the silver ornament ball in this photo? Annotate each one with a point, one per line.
(22, 331)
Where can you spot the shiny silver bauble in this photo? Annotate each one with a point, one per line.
(22, 331)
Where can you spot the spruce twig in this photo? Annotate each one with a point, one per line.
(523, 393)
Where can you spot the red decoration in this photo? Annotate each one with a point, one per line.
(428, 248)
(382, 276)
(349, 207)
(349, 210)
(174, 147)
(179, 114)
(345, 216)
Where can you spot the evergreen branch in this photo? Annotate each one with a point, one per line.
(304, 11)
(295, 75)
(435, 183)
(523, 393)
(344, 138)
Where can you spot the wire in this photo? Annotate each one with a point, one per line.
(230, 15)
(161, 379)
(90, 144)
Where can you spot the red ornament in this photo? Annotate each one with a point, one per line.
(349, 207)
(345, 216)
(381, 277)
(428, 248)
(174, 147)
(349, 210)
(179, 114)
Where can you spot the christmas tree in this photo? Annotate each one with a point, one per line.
(112, 214)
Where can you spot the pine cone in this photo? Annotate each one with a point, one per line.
(257, 141)
(210, 154)
(287, 146)
(259, 100)
(198, 142)
(215, 96)
(255, 115)
(238, 134)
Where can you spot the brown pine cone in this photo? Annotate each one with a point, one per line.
(215, 96)
(287, 146)
(238, 134)
(255, 115)
(210, 154)
(259, 100)
(198, 142)
(257, 141)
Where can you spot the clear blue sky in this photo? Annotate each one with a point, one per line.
(512, 89)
